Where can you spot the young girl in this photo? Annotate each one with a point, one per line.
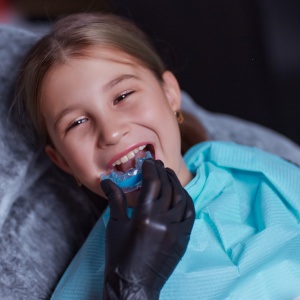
(100, 95)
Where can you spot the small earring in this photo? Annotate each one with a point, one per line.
(179, 116)
(79, 183)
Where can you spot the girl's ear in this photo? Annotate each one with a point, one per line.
(57, 159)
(172, 90)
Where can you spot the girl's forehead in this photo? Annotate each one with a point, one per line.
(95, 63)
(95, 53)
(109, 53)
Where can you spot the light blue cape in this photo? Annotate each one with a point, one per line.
(245, 243)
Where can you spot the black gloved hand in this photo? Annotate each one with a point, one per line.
(143, 251)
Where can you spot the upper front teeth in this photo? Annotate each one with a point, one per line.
(128, 156)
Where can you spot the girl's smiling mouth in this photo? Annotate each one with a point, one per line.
(128, 160)
(127, 171)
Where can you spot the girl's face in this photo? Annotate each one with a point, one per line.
(100, 109)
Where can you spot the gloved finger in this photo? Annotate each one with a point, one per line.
(186, 225)
(116, 200)
(190, 208)
(178, 190)
(176, 211)
(182, 204)
(165, 195)
(151, 184)
(184, 228)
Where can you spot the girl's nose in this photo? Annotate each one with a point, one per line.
(111, 132)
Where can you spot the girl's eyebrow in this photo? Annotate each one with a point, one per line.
(118, 80)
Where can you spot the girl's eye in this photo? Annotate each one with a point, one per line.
(122, 96)
(77, 122)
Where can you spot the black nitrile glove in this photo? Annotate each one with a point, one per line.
(143, 251)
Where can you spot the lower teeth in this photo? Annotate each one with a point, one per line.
(130, 180)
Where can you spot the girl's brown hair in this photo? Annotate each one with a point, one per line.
(69, 38)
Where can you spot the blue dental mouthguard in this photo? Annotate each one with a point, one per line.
(132, 179)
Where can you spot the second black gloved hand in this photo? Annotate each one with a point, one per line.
(142, 251)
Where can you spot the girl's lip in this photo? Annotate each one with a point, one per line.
(121, 154)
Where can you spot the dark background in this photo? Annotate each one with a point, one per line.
(240, 57)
